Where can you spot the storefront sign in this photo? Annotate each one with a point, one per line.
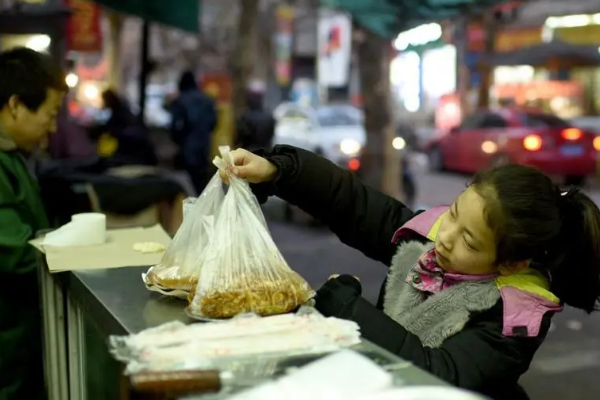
(219, 87)
(516, 39)
(335, 49)
(284, 44)
(84, 33)
(508, 39)
(580, 35)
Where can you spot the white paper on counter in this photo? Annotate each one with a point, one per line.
(424, 393)
(87, 229)
(344, 375)
(116, 252)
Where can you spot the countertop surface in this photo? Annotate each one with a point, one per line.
(119, 304)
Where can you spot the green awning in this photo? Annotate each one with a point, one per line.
(387, 18)
(181, 14)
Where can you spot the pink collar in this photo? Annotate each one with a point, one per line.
(427, 276)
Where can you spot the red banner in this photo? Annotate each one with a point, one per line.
(84, 33)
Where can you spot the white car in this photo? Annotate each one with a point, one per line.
(334, 131)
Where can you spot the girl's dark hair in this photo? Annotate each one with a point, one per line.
(559, 231)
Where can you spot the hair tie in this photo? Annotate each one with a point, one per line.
(568, 193)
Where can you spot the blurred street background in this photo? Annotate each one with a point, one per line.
(411, 96)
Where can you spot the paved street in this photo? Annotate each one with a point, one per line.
(567, 367)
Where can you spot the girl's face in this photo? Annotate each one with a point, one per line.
(465, 244)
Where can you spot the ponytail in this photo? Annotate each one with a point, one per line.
(574, 265)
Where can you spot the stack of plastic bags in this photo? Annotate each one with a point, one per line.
(176, 346)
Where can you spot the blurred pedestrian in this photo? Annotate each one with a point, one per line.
(32, 88)
(122, 138)
(194, 120)
(71, 139)
(255, 128)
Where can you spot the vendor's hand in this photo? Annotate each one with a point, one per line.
(249, 166)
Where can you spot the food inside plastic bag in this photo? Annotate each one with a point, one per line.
(179, 268)
(244, 272)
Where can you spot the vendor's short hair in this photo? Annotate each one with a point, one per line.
(28, 74)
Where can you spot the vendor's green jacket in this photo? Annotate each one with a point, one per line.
(21, 216)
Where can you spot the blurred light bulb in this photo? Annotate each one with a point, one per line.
(72, 80)
(399, 143)
(91, 92)
(350, 146)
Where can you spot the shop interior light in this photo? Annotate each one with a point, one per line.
(420, 35)
(39, 42)
(72, 80)
(91, 92)
(398, 143)
(573, 21)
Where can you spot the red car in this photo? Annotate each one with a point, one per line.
(500, 137)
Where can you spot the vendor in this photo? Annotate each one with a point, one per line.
(32, 88)
(471, 288)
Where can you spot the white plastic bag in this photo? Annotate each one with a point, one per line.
(179, 269)
(244, 272)
(187, 205)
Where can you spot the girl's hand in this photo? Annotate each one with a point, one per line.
(249, 166)
(337, 296)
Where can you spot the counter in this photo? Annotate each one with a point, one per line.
(82, 309)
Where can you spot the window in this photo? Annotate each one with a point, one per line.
(472, 122)
(294, 115)
(491, 121)
(543, 121)
(331, 116)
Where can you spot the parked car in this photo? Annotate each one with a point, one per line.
(334, 131)
(496, 137)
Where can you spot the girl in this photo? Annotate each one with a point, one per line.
(471, 288)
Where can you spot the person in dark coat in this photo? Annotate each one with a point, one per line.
(32, 89)
(255, 128)
(471, 288)
(71, 140)
(194, 118)
(123, 138)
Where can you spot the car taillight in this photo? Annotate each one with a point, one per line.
(597, 143)
(571, 134)
(532, 142)
(354, 164)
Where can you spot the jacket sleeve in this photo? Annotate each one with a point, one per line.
(477, 358)
(362, 217)
(16, 254)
